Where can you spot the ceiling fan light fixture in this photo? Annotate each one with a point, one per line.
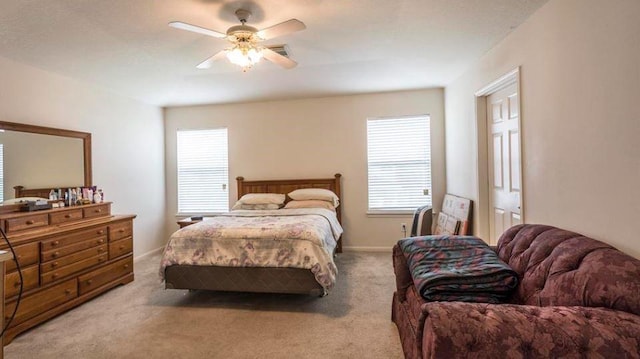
(255, 55)
(244, 55)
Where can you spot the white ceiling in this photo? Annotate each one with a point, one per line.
(349, 46)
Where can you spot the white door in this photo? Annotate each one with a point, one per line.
(504, 160)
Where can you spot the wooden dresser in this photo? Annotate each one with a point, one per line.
(67, 256)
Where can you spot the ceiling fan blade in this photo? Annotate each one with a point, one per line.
(280, 29)
(278, 59)
(193, 28)
(207, 63)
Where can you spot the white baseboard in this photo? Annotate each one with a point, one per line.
(367, 249)
(150, 253)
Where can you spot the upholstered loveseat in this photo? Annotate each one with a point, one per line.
(577, 298)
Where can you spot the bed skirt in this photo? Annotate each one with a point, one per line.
(243, 279)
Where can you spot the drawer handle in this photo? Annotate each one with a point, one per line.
(100, 249)
(29, 222)
(121, 230)
(126, 266)
(100, 241)
(121, 247)
(68, 291)
(54, 264)
(101, 231)
(89, 282)
(97, 211)
(19, 256)
(55, 254)
(100, 259)
(67, 216)
(54, 275)
(55, 243)
(16, 284)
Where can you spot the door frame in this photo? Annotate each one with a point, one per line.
(482, 170)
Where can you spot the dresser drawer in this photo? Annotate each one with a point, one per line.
(71, 258)
(120, 248)
(67, 250)
(65, 216)
(42, 301)
(30, 276)
(104, 275)
(97, 211)
(120, 230)
(62, 272)
(25, 222)
(68, 239)
(27, 254)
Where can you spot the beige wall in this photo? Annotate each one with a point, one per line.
(580, 78)
(128, 160)
(311, 138)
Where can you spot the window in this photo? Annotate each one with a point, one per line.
(399, 163)
(203, 171)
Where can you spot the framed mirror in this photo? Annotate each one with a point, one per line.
(42, 157)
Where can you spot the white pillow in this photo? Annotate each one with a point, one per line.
(23, 199)
(262, 198)
(312, 203)
(315, 193)
(261, 206)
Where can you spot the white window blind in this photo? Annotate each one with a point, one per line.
(203, 171)
(1, 172)
(399, 163)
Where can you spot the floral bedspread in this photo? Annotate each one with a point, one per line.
(294, 238)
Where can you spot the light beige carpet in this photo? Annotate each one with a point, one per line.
(143, 320)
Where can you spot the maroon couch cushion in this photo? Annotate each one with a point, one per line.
(563, 268)
(474, 330)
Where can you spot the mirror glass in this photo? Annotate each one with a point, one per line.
(35, 160)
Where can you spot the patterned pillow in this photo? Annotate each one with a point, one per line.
(252, 207)
(312, 203)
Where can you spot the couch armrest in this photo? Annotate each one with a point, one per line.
(401, 270)
(456, 329)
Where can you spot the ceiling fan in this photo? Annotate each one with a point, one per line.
(245, 50)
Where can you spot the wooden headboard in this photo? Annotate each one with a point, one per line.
(287, 185)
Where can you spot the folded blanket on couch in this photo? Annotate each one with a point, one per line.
(457, 268)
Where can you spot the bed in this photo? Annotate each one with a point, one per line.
(213, 272)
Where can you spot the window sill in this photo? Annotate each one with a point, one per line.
(390, 214)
